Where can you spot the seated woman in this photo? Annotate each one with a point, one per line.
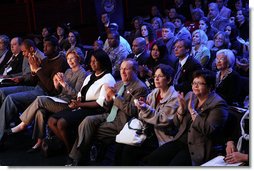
(227, 80)
(221, 41)
(158, 55)
(68, 84)
(90, 99)
(199, 50)
(200, 119)
(159, 108)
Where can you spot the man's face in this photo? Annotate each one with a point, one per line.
(48, 49)
(112, 41)
(166, 33)
(26, 51)
(126, 71)
(104, 18)
(15, 47)
(177, 23)
(180, 50)
(136, 47)
(212, 12)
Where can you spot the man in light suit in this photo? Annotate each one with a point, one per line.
(103, 127)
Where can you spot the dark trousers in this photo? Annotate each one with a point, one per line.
(173, 153)
(127, 155)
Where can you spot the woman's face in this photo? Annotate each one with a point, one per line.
(221, 62)
(71, 38)
(44, 32)
(196, 39)
(72, 60)
(136, 24)
(155, 25)
(199, 87)
(95, 65)
(144, 31)
(155, 53)
(228, 30)
(160, 80)
(202, 25)
(219, 40)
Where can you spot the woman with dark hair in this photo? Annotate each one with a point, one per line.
(200, 120)
(90, 99)
(159, 108)
(204, 24)
(148, 33)
(158, 55)
(232, 31)
(61, 33)
(74, 41)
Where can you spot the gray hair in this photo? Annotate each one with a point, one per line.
(5, 39)
(229, 56)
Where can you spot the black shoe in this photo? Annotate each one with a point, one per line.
(33, 150)
(71, 162)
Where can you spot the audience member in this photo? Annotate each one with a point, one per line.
(185, 65)
(158, 110)
(199, 50)
(200, 119)
(106, 126)
(90, 100)
(116, 52)
(223, 10)
(168, 30)
(14, 65)
(5, 53)
(217, 22)
(227, 80)
(181, 32)
(148, 33)
(42, 74)
(68, 83)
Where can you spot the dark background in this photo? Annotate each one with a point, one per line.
(23, 17)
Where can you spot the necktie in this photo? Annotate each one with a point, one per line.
(114, 109)
(177, 75)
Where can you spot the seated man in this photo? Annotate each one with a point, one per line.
(16, 99)
(106, 126)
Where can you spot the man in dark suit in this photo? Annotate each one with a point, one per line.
(106, 126)
(5, 53)
(14, 65)
(185, 66)
(139, 52)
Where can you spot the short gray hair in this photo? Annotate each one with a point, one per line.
(229, 55)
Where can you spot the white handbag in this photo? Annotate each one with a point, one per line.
(132, 133)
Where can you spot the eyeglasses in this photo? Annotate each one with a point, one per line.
(198, 84)
(219, 60)
(159, 76)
